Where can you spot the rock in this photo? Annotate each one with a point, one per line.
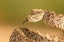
(27, 35)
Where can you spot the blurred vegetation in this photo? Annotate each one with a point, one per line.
(15, 11)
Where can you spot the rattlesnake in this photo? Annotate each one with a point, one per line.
(50, 18)
(23, 34)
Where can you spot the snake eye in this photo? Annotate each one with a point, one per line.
(32, 12)
(38, 12)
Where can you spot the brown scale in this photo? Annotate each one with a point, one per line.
(47, 12)
(36, 39)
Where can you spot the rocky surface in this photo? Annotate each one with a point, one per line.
(22, 34)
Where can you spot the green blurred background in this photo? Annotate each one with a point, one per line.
(14, 12)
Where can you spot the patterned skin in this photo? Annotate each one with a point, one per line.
(27, 35)
(36, 15)
(50, 18)
(53, 19)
